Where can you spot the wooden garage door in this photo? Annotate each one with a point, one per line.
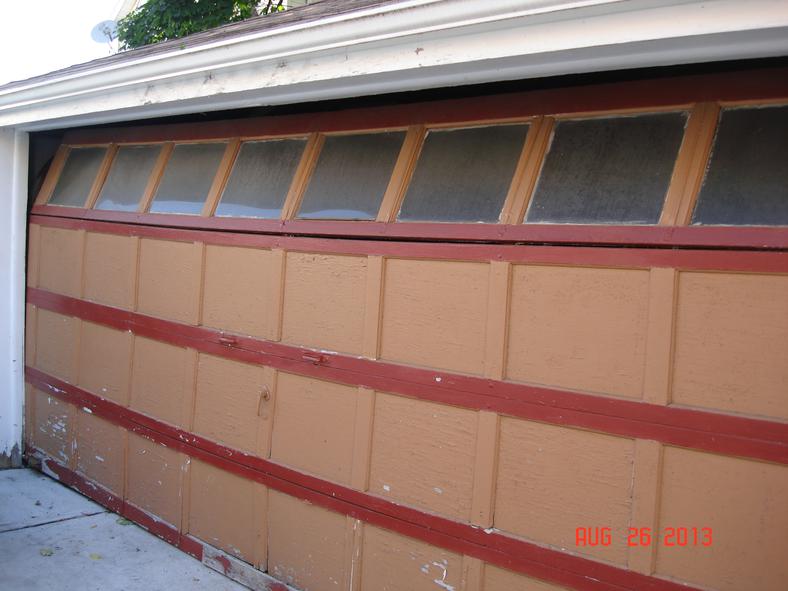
(532, 341)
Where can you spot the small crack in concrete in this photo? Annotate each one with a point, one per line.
(81, 515)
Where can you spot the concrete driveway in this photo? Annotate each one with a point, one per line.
(54, 538)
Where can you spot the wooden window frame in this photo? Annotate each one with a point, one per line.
(411, 152)
(228, 164)
(702, 96)
(217, 184)
(309, 163)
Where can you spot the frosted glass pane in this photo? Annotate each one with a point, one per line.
(747, 179)
(351, 176)
(76, 179)
(260, 178)
(463, 175)
(187, 178)
(128, 175)
(609, 170)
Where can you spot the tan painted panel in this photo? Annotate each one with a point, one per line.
(162, 381)
(33, 257)
(29, 427)
(240, 285)
(110, 269)
(390, 562)
(228, 400)
(60, 261)
(313, 423)
(57, 345)
(169, 279)
(732, 343)
(498, 579)
(434, 313)
(306, 544)
(324, 301)
(222, 510)
(579, 328)
(423, 454)
(552, 480)
(101, 451)
(52, 428)
(153, 479)
(744, 504)
(30, 335)
(105, 367)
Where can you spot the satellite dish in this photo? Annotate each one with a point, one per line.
(104, 32)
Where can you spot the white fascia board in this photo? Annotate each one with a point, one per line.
(405, 46)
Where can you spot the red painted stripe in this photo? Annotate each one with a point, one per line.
(751, 85)
(116, 504)
(668, 255)
(699, 429)
(576, 572)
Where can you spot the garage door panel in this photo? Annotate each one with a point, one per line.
(423, 455)
(313, 422)
(105, 367)
(229, 406)
(241, 286)
(162, 383)
(307, 545)
(52, 430)
(111, 269)
(731, 342)
(579, 328)
(435, 313)
(499, 579)
(324, 301)
(742, 503)
(154, 478)
(552, 480)
(100, 451)
(57, 345)
(30, 334)
(60, 260)
(390, 562)
(222, 510)
(33, 254)
(169, 279)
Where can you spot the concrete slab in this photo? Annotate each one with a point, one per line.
(84, 547)
(29, 498)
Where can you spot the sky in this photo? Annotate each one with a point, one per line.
(46, 35)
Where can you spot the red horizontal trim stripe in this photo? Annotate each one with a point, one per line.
(752, 85)
(698, 429)
(116, 504)
(659, 252)
(528, 558)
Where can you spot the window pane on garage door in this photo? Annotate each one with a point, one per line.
(608, 170)
(187, 178)
(261, 178)
(79, 172)
(463, 175)
(128, 177)
(747, 178)
(351, 176)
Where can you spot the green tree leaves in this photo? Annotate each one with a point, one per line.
(160, 20)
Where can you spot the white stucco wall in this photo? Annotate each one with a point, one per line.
(13, 228)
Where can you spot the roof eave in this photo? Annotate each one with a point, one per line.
(402, 46)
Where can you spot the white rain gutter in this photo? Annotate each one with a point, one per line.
(408, 45)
